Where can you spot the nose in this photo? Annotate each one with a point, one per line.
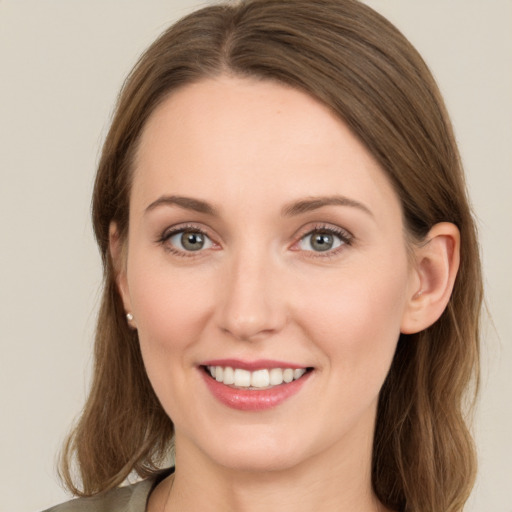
(251, 306)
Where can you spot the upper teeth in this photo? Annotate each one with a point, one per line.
(257, 379)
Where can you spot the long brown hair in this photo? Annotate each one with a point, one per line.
(354, 61)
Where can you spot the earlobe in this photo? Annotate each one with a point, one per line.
(436, 265)
(118, 256)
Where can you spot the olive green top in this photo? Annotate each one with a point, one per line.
(131, 498)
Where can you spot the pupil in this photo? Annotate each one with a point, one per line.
(192, 241)
(322, 242)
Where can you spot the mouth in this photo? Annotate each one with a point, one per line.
(260, 379)
(256, 386)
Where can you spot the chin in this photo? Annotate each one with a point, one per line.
(258, 453)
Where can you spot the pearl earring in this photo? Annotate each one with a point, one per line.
(129, 317)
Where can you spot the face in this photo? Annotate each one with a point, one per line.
(266, 247)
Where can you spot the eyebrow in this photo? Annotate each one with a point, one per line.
(289, 210)
(314, 203)
(188, 203)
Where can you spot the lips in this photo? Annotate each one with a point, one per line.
(253, 386)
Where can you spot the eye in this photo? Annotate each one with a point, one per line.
(322, 240)
(189, 240)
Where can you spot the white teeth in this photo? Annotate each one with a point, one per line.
(242, 378)
(229, 375)
(298, 373)
(288, 375)
(258, 379)
(276, 376)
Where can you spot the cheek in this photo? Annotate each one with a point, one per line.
(171, 306)
(355, 317)
(171, 310)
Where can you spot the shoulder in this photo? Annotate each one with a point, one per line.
(131, 498)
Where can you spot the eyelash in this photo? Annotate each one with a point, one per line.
(169, 233)
(345, 237)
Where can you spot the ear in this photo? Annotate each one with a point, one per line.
(117, 250)
(435, 269)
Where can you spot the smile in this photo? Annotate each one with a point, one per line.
(265, 378)
(254, 386)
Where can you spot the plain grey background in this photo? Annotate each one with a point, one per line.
(61, 65)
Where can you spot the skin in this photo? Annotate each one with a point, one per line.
(259, 290)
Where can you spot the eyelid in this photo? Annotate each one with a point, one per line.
(343, 234)
(346, 237)
(171, 231)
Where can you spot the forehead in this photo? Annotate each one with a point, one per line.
(238, 138)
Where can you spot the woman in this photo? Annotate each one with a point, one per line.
(292, 279)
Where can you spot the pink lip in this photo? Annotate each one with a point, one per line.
(252, 400)
(252, 366)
